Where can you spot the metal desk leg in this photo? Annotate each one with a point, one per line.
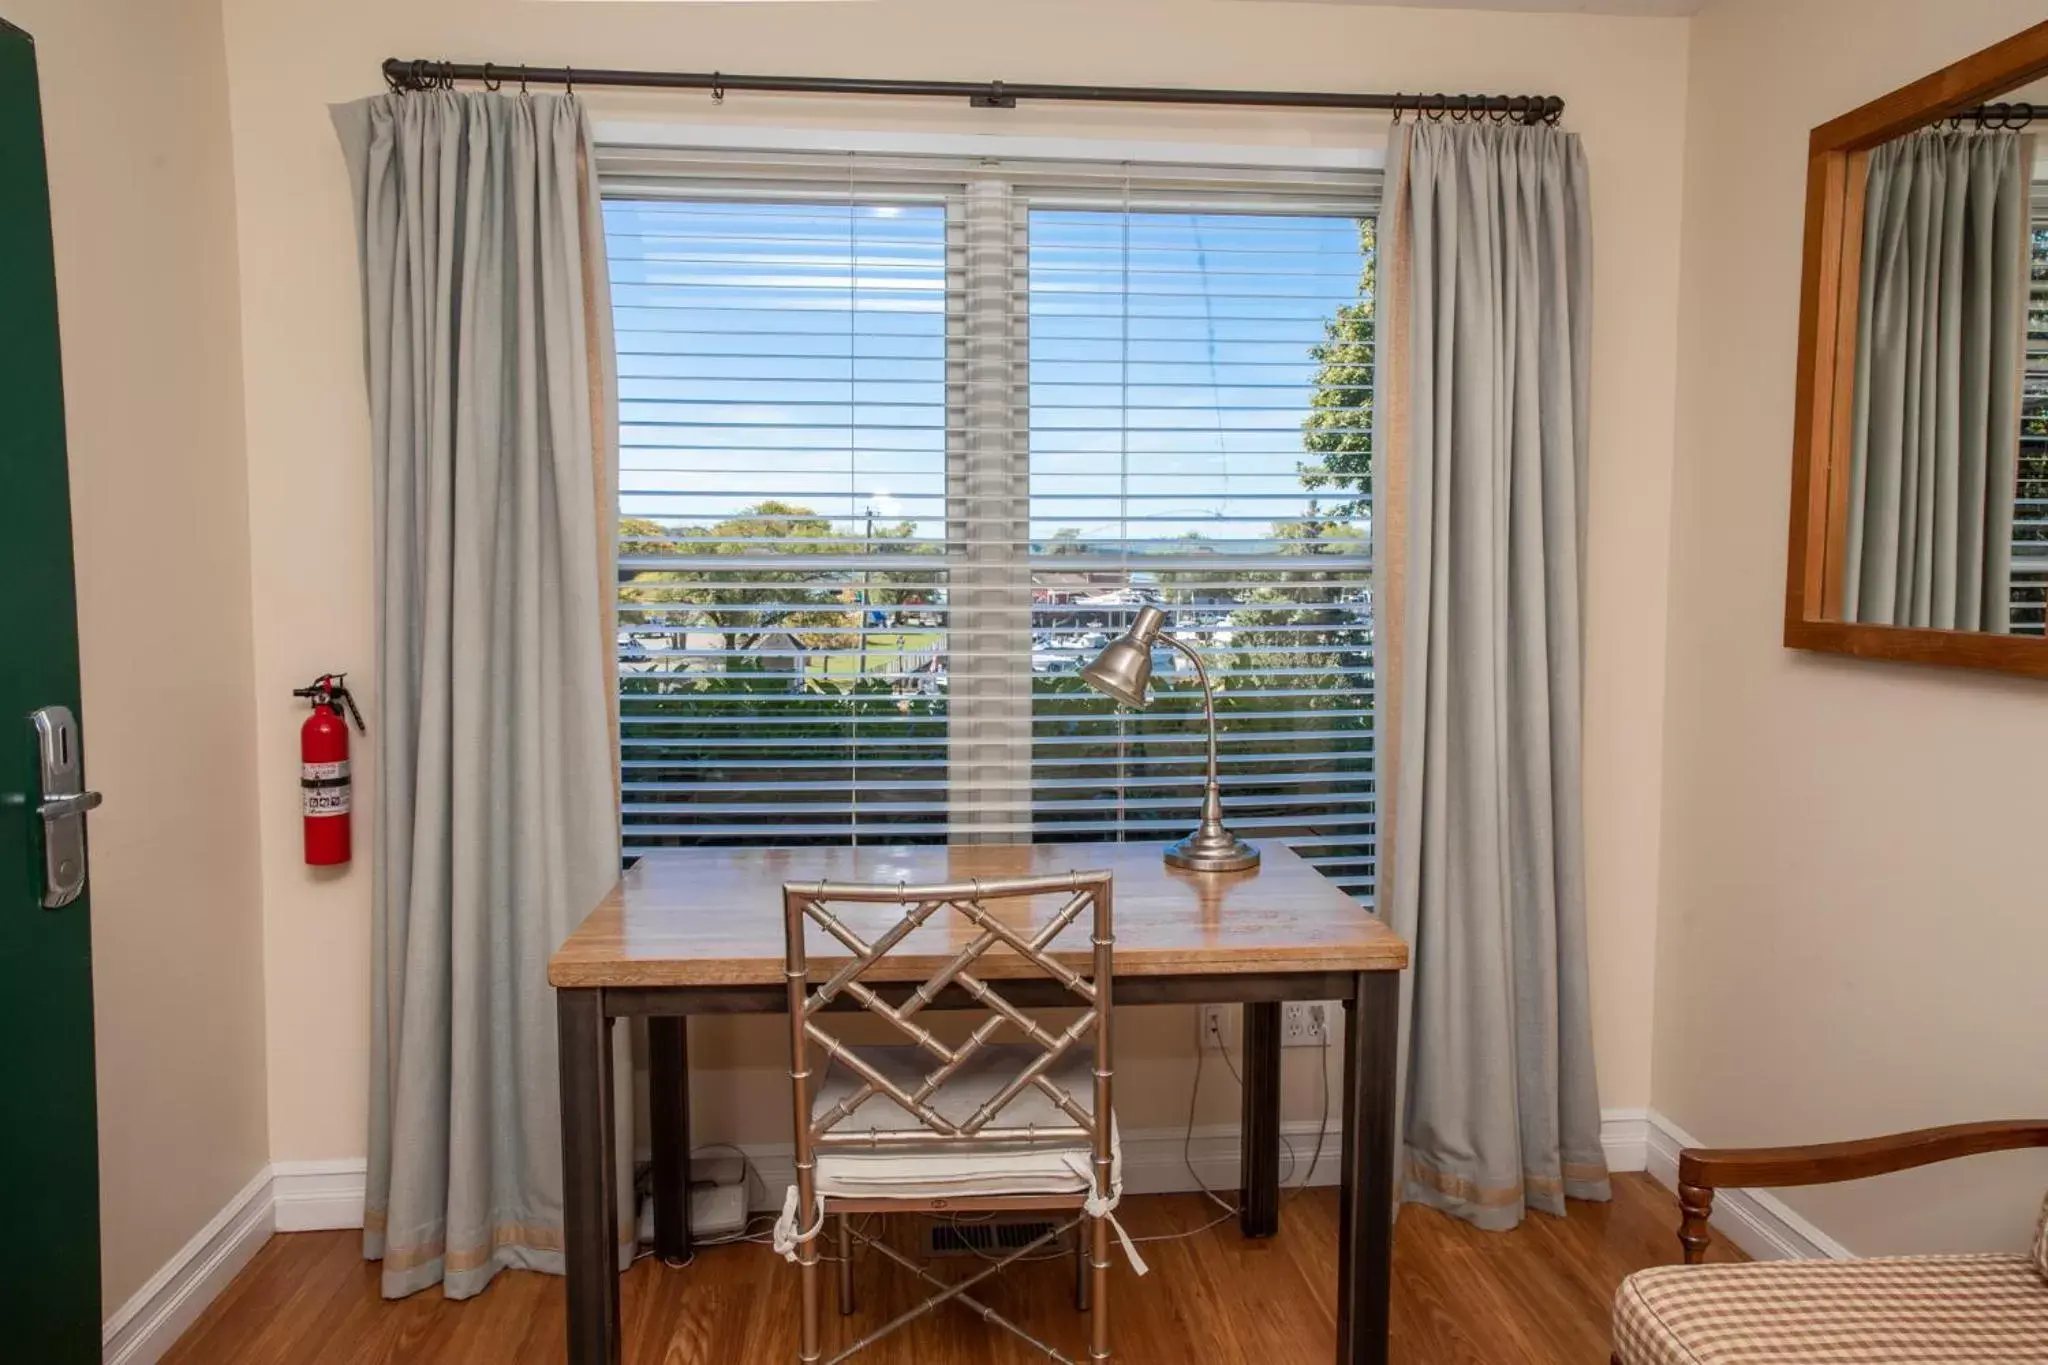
(1365, 1205)
(590, 1200)
(668, 1123)
(1259, 1155)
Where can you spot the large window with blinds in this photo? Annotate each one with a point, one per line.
(906, 441)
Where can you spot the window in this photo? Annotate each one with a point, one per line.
(2030, 519)
(905, 441)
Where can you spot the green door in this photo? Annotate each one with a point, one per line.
(49, 1158)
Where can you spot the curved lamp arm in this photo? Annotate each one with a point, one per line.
(1212, 804)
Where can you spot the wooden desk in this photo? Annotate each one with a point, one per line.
(699, 931)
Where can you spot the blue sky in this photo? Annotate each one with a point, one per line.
(799, 351)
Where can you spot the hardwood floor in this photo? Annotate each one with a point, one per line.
(1535, 1296)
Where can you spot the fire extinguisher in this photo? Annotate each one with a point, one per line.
(323, 769)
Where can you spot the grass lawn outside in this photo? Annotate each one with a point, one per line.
(885, 653)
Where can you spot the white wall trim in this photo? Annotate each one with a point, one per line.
(1625, 1137)
(1759, 1222)
(314, 1196)
(142, 1329)
(310, 1196)
(290, 1196)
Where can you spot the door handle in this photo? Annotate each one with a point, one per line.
(64, 804)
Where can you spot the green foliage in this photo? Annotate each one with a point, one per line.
(816, 608)
(1338, 428)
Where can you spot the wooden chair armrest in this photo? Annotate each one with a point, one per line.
(1702, 1170)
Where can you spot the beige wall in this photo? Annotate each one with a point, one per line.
(1854, 919)
(135, 113)
(310, 487)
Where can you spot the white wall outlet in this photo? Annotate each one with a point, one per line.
(1217, 1025)
(1306, 1023)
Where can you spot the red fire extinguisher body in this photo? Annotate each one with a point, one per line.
(324, 777)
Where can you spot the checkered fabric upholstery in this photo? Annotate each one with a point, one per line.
(2041, 1242)
(1912, 1310)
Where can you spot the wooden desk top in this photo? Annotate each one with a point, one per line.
(713, 916)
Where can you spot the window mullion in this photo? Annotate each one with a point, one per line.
(988, 509)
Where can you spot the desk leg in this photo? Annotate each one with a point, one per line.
(1365, 1205)
(668, 1123)
(590, 1203)
(1258, 1186)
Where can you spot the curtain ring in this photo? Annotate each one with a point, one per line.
(717, 88)
(490, 82)
(1398, 97)
(568, 80)
(447, 75)
(522, 78)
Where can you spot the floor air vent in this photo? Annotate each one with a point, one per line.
(984, 1239)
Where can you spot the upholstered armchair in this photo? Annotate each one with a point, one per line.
(1904, 1310)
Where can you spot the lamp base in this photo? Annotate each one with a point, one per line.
(1212, 848)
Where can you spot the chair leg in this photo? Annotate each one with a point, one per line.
(1098, 1271)
(845, 1267)
(809, 1327)
(1083, 1282)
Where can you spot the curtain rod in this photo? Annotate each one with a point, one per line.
(404, 75)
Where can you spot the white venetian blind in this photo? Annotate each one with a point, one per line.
(907, 440)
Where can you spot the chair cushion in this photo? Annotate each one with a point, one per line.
(952, 1168)
(1913, 1310)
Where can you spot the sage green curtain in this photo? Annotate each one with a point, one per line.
(1941, 351)
(1481, 436)
(488, 355)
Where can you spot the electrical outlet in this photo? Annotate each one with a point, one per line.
(1305, 1024)
(1217, 1025)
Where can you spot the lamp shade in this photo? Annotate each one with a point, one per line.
(1123, 671)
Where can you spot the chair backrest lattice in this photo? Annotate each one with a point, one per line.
(991, 909)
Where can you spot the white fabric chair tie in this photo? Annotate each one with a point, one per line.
(788, 1236)
(1098, 1206)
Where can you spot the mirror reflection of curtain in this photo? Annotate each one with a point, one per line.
(1940, 355)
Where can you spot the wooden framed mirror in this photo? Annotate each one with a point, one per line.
(1920, 459)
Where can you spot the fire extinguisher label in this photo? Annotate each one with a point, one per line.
(325, 787)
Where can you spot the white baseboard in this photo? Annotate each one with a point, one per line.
(1759, 1222)
(314, 1196)
(308, 1196)
(142, 1329)
(291, 1196)
(1625, 1137)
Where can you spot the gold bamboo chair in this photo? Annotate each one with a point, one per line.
(922, 1128)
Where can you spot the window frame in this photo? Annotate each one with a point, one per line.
(991, 773)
